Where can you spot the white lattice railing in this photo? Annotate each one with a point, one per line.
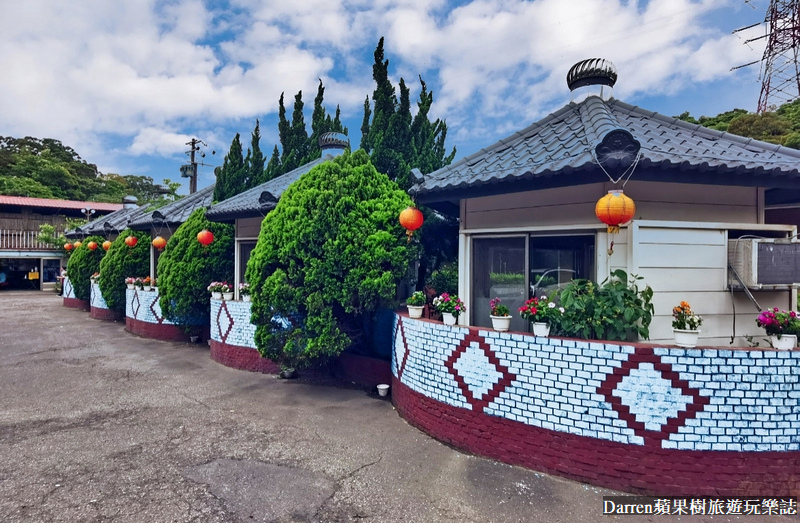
(22, 240)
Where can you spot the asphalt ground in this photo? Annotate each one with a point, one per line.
(99, 425)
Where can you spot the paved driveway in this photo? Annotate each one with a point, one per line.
(99, 425)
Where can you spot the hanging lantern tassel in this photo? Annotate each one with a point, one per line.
(411, 219)
(615, 209)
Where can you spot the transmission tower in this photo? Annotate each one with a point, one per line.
(780, 74)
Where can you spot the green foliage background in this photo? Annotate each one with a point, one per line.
(329, 255)
(120, 262)
(82, 264)
(185, 269)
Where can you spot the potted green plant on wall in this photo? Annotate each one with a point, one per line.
(450, 306)
(781, 326)
(685, 325)
(415, 304)
(501, 316)
(543, 313)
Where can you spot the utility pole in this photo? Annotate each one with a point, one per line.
(190, 170)
(194, 147)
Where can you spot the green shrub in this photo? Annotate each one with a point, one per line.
(613, 310)
(444, 279)
(328, 256)
(82, 264)
(185, 269)
(120, 262)
(506, 278)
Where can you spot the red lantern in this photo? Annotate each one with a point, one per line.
(92, 246)
(77, 244)
(67, 246)
(131, 241)
(159, 243)
(205, 237)
(614, 209)
(411, 218)
(106, 245)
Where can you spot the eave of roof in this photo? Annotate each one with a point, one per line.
(24, 201)
(176, 212)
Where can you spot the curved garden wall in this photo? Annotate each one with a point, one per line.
(69, 297)
(99, 309)
(143, 317)
(635, 417)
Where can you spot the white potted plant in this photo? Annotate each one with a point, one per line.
(415, 304)
(146, 283)
(451, 307)
(543, 312)
(130, 281)
(781, 326)
(227, 291)
(215, 288)
(501, 318)
(685, 325)
(244, 291)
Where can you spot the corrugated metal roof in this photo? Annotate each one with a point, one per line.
(176, 212)
(250, 202)
(562, 144)
(24, 201)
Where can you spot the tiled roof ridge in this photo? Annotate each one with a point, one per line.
(598, 120)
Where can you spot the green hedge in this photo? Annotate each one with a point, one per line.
(328, 256)
(185, 269)
(82, 264)
(120, 262)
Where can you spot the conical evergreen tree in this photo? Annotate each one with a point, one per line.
(255, 159)
(231, 178)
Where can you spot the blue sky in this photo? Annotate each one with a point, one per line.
(127, 84)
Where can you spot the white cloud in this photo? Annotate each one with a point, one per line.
(154, 72)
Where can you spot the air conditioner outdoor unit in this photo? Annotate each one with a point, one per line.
(761, 262)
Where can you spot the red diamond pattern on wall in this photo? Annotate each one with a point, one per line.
(478, 372)
(224, 323)
(645, 381)
(400, 348)
(135, 304)
(155, 308)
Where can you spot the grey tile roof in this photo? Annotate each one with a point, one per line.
(110, 223)
(559, 150)
(176, 212)
(250, 203)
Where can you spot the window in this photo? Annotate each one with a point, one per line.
(498, 272)
(245, 249)
(555, 260)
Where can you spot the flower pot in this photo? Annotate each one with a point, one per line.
(686, 338)
(383, 389)
(786, 342)
(541, 329)
(415, 311)
(130, 285)
(227, 296)
(246, 297)
(146, 288)
(501, 323)
(216, 295)
(448, 318)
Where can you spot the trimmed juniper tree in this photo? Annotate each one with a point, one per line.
(121, 262)
(186, 267)
(330, 254)
(254, 162)
(82, 264)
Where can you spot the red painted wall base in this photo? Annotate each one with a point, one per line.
(631, 468)
(75, 303)
(104, 314)
(163, 332)
(243, 358)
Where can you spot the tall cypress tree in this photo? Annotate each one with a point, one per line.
(231, 179)
(255, 159)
